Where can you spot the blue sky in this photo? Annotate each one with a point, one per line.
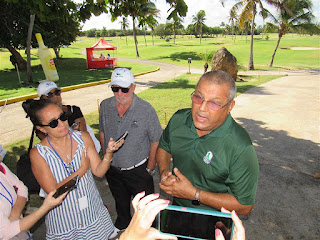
(215, 14)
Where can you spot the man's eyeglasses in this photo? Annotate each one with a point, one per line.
(211, 105)
(54, 123)
(57, 92)
(116, 89)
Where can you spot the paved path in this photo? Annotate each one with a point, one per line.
(282, 117)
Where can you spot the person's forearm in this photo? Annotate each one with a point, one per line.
(226, 200)
(163, 159)
(17, 208)
(27, 222)
(104, 165)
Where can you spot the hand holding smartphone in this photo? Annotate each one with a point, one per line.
(67, 187)
(122, 137)
(194, 223)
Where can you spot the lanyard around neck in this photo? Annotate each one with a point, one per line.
(11, 202)
(65, 167)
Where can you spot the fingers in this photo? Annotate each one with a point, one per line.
(225, 210)
(114, 146)
(239, 230)
(136, 200)
(218, 234)
(147, 199)
(155, 234)
(151, 210)
(178, 174)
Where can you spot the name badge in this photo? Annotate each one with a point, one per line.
(83, 202)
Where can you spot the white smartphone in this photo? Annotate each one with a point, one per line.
(122, 137)
(194, 223)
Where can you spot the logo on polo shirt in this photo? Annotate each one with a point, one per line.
(207, 158)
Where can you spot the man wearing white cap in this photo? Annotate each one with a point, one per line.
(133, 164)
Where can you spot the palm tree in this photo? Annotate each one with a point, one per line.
(124, 27)
(174, 26)
(152, 23)
(233, 19)
(148, 14)
(198, 21)
(293, 15)
(249, 10)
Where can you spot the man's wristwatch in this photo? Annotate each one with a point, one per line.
(151, 172)
(196, 198)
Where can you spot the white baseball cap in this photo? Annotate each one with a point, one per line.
(45, 87)
(122, 77)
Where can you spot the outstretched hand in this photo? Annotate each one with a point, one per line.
(146, 210)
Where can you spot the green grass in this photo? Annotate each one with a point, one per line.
(72, 67)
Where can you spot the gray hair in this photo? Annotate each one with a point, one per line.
(220, 77)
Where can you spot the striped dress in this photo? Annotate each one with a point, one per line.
(68, 221)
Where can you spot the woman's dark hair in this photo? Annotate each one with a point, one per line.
(33, 107)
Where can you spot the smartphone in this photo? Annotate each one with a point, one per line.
(194, 223)
(67, 187)
(122, 137)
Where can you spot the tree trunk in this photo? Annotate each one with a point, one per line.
(275, 50)
(251, 66)
(29, 69)
(200, 32)
(127, 40)
(152, 37)
(16, 58)
(57, 52)
(145, 40)
(135, 36)
(174, 34)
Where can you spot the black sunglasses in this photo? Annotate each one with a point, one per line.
(116, 89)
(54, 123)
(57, 92)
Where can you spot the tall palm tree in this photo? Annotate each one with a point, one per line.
(124, 27)
(198, 21)
(148, 14)
(152, 23)
(293, 15)
(176, 25)
(233, 19)
(249, 9)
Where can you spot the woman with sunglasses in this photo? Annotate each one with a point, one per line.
(49, 90)
(61, 156)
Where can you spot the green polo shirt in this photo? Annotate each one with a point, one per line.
(223, 161)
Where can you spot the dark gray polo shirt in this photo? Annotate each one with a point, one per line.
(142, 124)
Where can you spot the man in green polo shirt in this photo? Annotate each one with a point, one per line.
(214, 162)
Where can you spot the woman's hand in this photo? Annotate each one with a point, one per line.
(238, 230)
(51, 202)
(114, 146)
(146, 210)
